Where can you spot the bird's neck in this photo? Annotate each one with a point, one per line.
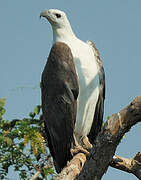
(64, 34)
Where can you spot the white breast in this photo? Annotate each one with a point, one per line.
(87, 71)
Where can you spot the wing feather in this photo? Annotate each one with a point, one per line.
(99, 110)
(59, 87)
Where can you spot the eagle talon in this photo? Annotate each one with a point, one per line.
(86, 143)
(79, 149)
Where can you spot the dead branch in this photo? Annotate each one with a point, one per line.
(108, 139)
(73, 168)
(128, 165)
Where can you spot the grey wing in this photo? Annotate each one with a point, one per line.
(59, 89)
(99, 110)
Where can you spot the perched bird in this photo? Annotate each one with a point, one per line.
(73, 91)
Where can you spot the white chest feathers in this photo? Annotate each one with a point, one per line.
(87, 72)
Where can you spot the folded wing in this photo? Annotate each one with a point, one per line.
(59, 89)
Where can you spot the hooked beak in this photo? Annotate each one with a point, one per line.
(44, 14)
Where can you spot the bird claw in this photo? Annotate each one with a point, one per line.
(86, 143)
(79, 149)
(85, 146)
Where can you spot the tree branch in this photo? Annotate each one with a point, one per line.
(39, 170)
(128, 165)
(105, 145)
(109, 138)
(73, 168)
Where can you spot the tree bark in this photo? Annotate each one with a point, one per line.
(132, 165)
(73, 168)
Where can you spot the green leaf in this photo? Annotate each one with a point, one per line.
(2, 111)
(32, 114)
(108, 117)
(1, 138)
(2, 102)
(8, 141)
(48, 171)
(124, 136)
(37, 109)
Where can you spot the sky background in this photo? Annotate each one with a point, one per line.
(25, 41)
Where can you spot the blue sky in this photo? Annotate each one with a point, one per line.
(25, 41)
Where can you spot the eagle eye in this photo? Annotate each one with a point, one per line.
(58, 15)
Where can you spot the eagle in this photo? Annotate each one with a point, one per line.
(72, 91)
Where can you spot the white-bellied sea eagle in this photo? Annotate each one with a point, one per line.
(72, 89)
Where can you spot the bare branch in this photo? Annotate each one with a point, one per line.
(128, 165)
(73, 168)
(36, 175)
(39, 170)
(108, 140)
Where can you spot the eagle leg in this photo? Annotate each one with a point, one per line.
(86, 143)
(78, 148)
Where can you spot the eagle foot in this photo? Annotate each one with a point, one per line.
(79, 149)
(86, 143)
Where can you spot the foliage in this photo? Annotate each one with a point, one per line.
(22, 145)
